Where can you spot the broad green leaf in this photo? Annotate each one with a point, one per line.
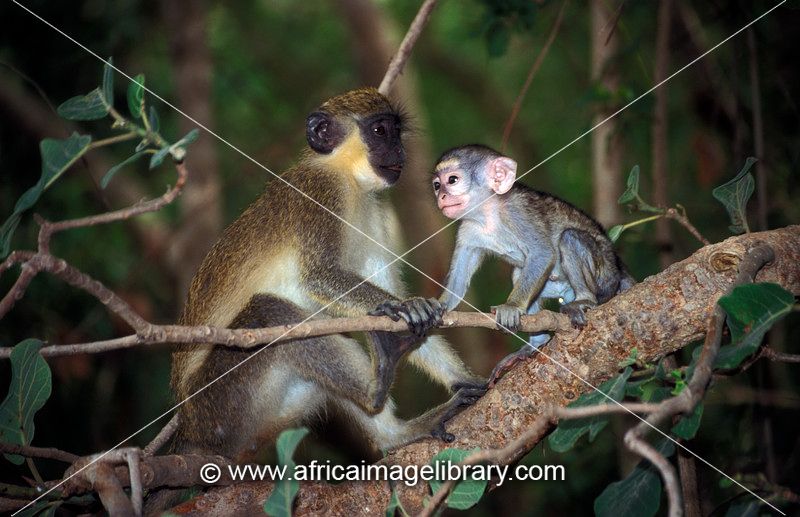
(687, 426)
(28, 391)
(568, 431)
(638, 495)
(115, 169)
(467, 492)
(57, 157)
(734, 196)
(108, 83)
(752, 310)
(91, 106)
(279, 503)
(136, 96)
(632, 192)
(615, 231)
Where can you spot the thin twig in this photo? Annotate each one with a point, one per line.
(404, 51)
(531, 74)
(150, 334)
(162, 437)
(673, 214)
(772, 355)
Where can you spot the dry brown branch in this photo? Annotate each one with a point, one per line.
(531, 74)
(675, 215)
(658, 316)
(773, 355)
(400, 58)
(162, 437)
(149, 334)
(38, 452)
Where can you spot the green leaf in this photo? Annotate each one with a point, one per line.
(734, 196)
(467, 492)
(115, 169)
(91, 106)
(632, 192)
(687, 426)
(631, 359)
(615, 231)
(394, 504)
(638, 495)
(108, 83)
(136, 96)
(752, 310)
(57, 157)
(159, 156)
(568, 431)
(28, 391)
(153, 119)
(279, 503)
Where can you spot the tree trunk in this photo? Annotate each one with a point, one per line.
(200, 204)
(607, 149)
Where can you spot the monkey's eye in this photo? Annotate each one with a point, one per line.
(379, 130)
(452, 180)
(436, 185)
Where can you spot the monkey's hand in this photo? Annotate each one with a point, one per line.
(577, 312)
(420, 314)
(507, 315)
(461, 399)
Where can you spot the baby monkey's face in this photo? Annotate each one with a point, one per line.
(451, 186)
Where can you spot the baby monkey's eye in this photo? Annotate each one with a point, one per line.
(452, 180)
(436, 185)
(379, 130)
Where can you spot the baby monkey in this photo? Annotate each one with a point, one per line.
(556, 249)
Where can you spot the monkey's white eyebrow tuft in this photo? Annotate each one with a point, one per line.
(446, 165)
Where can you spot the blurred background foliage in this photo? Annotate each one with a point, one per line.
(271, 62)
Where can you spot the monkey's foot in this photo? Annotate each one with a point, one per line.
(509, 361)
(461, 399)
(576, 311)
(507, 316)
(420, 314)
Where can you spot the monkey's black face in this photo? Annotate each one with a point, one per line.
(382, 135)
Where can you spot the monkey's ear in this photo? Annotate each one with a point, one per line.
(502, 173)
(322, 132)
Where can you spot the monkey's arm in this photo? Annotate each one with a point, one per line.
(529, 281)
(466, 260)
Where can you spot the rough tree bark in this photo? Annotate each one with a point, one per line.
(606, 142)
(200, 206)
(662, 314)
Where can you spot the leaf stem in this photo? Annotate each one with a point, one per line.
(113, 140)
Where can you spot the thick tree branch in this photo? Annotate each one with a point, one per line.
(660, 315)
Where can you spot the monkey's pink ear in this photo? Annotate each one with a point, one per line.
(502, 173)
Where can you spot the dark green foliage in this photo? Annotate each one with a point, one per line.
(279, 503)
(752, 310)
(734, 195)
(467, 492)
(568, 431)
(638, 495)
(28, 391)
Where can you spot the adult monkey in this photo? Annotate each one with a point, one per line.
(284, 259)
